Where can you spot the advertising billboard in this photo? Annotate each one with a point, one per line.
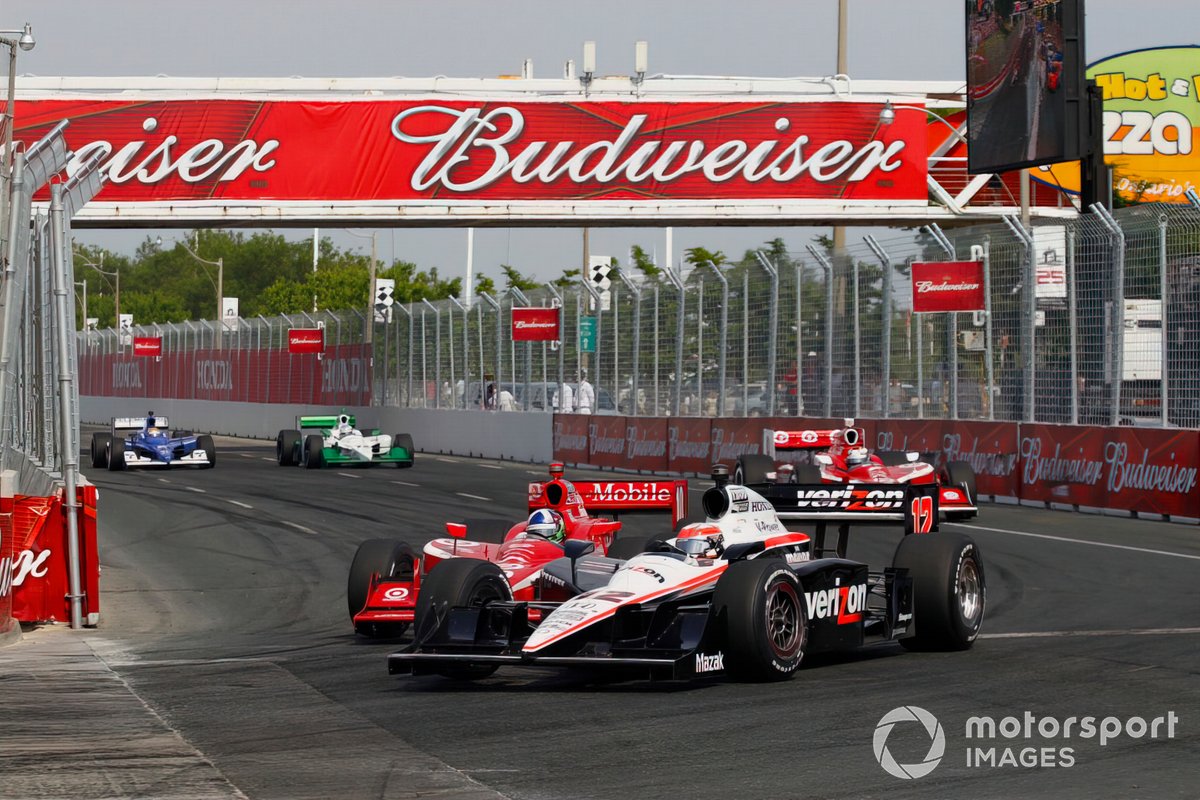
(535, 324)
(947, 286)
(1022, 84)
(306, 340)
(147, 346)
(448, 151)
(1151, 117)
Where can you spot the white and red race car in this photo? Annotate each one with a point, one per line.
(384, 592)
(843, 460)
(737, 595)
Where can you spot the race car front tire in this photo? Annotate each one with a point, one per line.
(205, 443)
(760, 604)
(387, 558)
(949, 590)
(962, 475)
(752, 469)
(115, 455)
(459, 582)
(314, 451)
(100, 445)
(405, 440)
(287, 447)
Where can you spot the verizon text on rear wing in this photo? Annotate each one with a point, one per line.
(617, 497)
(913, 505)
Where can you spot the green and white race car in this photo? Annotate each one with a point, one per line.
(333, 440)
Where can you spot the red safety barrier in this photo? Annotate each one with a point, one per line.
(39, 574)
(1144, 470)
(341, 376)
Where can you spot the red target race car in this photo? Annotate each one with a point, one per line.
(384, 588)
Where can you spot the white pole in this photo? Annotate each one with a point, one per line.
(670, 247)
(316, 251)
(468, 289)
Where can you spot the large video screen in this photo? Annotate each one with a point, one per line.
(1019, 64)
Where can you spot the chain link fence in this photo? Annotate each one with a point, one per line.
(1092, 321)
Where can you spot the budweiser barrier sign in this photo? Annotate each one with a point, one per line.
(535, 324)
(486, 150)
(947, 286)
(147, 345)
(1135, 469)
(306, 340)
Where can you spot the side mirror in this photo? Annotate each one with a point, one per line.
(912, 456)
(456, 529)
(574, 549)
(823, 459)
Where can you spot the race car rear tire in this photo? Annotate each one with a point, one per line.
(949, 590)
(287, 447)
(893, 458)
(205, 443)
(314, 451)
(808, 473)
(405, 440)
(389, 558)
(491, 530)
(458, 582)
(100, 445)
(626, 547)
(752, 469)
(760, 606)
(962, 475)
(114, 457)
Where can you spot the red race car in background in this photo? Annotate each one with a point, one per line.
(384, 587)
(843, 460)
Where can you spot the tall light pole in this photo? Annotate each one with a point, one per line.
(219, 285)
(368, 335)
(83, 285)
(25, 41)
(115, 284)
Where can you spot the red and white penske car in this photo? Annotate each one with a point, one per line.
(385, 588)
(844, 460)
(736, 595)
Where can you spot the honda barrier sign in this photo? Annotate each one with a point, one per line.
(535, 324)
(306, 340)
(947, 286)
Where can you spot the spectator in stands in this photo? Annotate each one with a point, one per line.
(507, 403)
(489, 397)
(586, 396)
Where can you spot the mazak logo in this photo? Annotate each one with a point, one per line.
(842, 603)
(937, 742)
(709, 663)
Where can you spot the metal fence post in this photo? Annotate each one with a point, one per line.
(1073, 323)
(499, 348)
(461, 402)
(773, 330)
(1162, 289)
(677, 392)
(656, 338)
(518, 294)
(934, 230)
(828, 267)
(1028, 320)
(724, 338)
(1118, 310)
(558, 404)
(886, 329)
(637, 339)
(437, 352)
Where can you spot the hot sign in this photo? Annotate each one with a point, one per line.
(535, 324)
(947, 286)
(306, 340)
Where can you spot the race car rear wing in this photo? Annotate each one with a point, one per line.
(127, 424)
(774, 440)
(615, 497)
(913, 505)
(321, 422)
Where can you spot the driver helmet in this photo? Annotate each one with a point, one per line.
(547, 523)
(702, 546)
(857, 457)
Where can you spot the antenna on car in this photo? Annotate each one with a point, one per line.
(556, 469)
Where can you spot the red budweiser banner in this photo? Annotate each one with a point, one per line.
(37, 570)
(438, 150)
(306, 340)
(147, 345)
(535, 324)
(947, 286)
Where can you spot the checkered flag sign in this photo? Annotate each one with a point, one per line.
(600, 267)
(385, 290)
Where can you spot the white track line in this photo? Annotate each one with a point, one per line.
(405, 483)
(448, 460)
(1077, 541)
(301, 528)
(247, 455)
(490, 466)
(534, 472)
(239, 503)
(348, 475)
(473, 496)
(194, 489)
(164, 480)
(266, 458)
(1054, 634)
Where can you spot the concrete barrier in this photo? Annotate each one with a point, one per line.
(516, 435)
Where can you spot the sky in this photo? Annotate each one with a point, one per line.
(908, 40)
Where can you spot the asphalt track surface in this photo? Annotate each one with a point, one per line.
(224, 610)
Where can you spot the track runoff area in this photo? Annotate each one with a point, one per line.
(224, 611)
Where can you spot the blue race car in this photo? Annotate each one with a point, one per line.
(145, 442)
